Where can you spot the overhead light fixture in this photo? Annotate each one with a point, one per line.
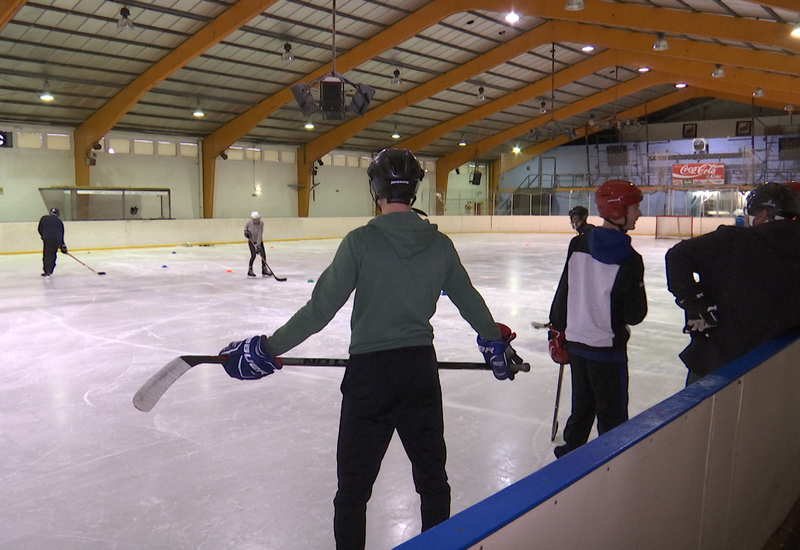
(543, 107)
(758, 92)
(308, 125)
(332, 90)
(574, 5)
(516, 150)
(395, 134)
(587, 48)
(462, 143)
(718, 72)
(480, 95)
(287, 52)
(124, 23)
(660, 45)
(681, 85)
(45, 95)
(644, 70)
(198, 112)
(789, 107)
(396, 80)
(795, 31)
(512, 17)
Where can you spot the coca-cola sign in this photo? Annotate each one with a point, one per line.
(707, 173)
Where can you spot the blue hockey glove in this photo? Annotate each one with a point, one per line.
(701, 312)
(249, 359)
(497, 353)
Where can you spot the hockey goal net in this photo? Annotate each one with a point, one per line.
(674, 227)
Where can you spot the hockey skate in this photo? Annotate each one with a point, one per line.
(250, 273)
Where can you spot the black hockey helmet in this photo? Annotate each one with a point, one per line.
(780, 200)
(394, 175)
(54, 211)
(580, 212)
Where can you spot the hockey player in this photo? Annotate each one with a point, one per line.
(577, 219)
(600, 293)
(253, 232)
(51, 230)
(748, 290)
(398, 264)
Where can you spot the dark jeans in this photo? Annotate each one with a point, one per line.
(599, 390)
(382, 392)
(253, 255)
(49, 255)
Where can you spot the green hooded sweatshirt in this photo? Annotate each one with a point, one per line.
(398, 265)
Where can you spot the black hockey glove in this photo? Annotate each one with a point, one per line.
(511, 353)
(63, 248)
(247, 234)
(249, 359)
(701, 312)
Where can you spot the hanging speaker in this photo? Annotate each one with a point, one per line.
(332, 99)
(475, 178)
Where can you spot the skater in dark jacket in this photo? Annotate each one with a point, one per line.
(600, 293)
(51, 230)
(577, 219)
(398, 265)
(749, 281)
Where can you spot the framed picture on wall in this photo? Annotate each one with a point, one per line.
(689, 131)
(744, 128)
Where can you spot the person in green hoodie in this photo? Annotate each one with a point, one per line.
(398, 264)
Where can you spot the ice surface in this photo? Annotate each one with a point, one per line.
(224, 464)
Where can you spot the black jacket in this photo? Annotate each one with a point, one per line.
(51, 228)
(753, 276)
(600, 293)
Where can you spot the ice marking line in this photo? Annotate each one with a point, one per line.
(86, 398)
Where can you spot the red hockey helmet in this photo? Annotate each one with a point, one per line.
(794, 185)
(614, 197)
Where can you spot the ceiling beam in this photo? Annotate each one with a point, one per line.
(8, 9)
(788, 5)
(105, 118)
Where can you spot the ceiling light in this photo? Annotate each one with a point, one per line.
(718, 72)
(788, 107)
(396, 80)
(795, 31)
(574, 5)
(644, 69)
(395, 134)
(124, 23)
(46, 95)
(462, 143)
(543, 107)
(680, 85)
(308, 125)
(758, 92)
(287, 52)
(512, 17)
(660, 45)
(198, 112)
(480, 95)
(587, 48)
(516, 150)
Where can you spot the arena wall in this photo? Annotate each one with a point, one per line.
(22, 237)
(712, 467)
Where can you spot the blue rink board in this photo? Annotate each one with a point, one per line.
(477, 522)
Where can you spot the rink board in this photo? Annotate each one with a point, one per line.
(712, 467)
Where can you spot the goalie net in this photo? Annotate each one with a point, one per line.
(674, 227)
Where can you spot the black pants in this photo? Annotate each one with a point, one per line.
(382, 392)
(253, 253)
(598, 389)
(49, 254)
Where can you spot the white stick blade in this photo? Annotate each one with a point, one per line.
(537, 325)
(152, 390)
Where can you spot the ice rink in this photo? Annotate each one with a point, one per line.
(225, 464)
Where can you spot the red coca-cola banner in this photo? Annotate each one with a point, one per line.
(708, 173)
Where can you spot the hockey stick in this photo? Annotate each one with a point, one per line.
(554, 429)
(264, 261)
(84, 265)
(537, 326)
(152, 390)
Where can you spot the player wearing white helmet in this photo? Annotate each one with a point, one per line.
(254, 233)
(748, 288)
(601, 293)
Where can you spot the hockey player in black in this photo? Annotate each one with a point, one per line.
(398, 265)
(577, 219)
(749, 281)
(51, 229)
(600, 293)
